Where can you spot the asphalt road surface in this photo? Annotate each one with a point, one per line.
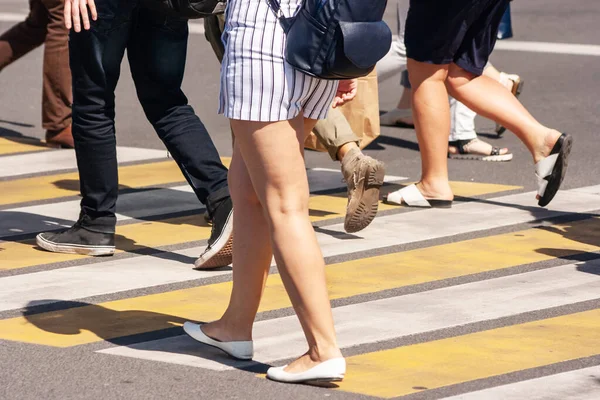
(493, 299)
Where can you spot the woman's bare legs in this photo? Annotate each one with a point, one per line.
(252, 256)
(431, 114)
(272, 155)
(490, 99)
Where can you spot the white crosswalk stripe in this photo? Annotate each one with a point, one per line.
(58, 160)
(581, 384)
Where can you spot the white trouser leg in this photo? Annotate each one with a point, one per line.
(395, 60)
(462, 121)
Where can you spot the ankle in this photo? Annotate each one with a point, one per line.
(227, 330)
(323, 353)
(546, 145)
(345, 149)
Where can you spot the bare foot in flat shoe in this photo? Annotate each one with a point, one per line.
(219, 330)
(306, 361)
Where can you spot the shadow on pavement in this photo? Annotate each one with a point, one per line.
(17, 137)
(15, 123)
(381, 140)
(117, 326)
(586, 232)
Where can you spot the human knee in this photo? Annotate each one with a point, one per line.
(457, 78)
(282, 206)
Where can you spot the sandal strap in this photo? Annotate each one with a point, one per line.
(410, 195)
(495, 151)
(461, 145)
(543, 169)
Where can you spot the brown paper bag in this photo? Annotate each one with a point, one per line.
(362, 114)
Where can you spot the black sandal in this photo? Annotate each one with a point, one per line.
(551, 170)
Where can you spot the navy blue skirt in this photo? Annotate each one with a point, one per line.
(453, 31)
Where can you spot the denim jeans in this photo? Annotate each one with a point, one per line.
(156, 47)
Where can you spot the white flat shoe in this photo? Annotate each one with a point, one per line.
(242, 350)
(328, 371)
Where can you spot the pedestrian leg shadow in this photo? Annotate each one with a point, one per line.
(584, 234)
(140, 331)
(18, 137)
(136, 203)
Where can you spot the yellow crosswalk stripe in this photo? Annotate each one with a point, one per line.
(145, 235)
(133, 237)
(138, 236)
(151, 174)
(431, 365)
(67, 184)
(153, 312)
(17, 145)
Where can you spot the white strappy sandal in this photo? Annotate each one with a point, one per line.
(412, 197)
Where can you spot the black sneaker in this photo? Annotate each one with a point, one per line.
(219, 252)
(78, 240)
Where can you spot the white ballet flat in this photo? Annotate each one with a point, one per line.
(328, 371)
(242, 350)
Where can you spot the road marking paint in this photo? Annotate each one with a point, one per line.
(546, 47)
(125, 317)
(396, 317)
(139, 236)
(17, 145)
(139, 204)
(49, 161)
(581, 384)
(67, 184)
(430, 365)
(133, 237)
(391, 229)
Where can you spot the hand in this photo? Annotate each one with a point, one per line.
(346, 92)
(75, 8)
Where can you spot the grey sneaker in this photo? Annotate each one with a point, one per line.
(364, 176)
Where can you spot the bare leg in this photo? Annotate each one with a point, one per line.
(252, 256)
(431, 113)
(490, 99)
(272, 153)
